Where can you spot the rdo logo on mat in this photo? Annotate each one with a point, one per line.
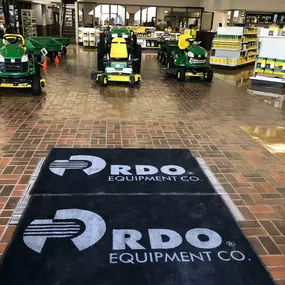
(93, 164)
(39, 231)
(89, 164)
(126, 245)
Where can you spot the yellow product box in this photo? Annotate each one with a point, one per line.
(274, 31)
(260, 65)
(269, 65)
(279, 67)
(212, 59)
(224, 61)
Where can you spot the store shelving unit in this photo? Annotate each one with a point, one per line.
(234, 46)
(88, 37)
(29, 24)
(269, 71)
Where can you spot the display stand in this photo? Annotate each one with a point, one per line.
(234, 47)
(88, 37)
(269, 71)
(29, 23)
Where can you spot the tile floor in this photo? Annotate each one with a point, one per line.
(206, 118)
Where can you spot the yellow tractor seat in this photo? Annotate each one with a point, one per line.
(119, 48)
(184, 41)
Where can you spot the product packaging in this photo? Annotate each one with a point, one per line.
(269, 65)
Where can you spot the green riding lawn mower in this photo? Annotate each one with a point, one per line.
(19, 67)
(20, 60)
(185, 59)
(119, 57)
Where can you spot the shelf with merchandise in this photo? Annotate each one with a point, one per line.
(234, 46)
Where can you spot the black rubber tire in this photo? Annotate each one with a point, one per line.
(63, 51)
(170, 62)
(181, 74)
(38, 69)
(36, 85)
(138, 59)
(132, 81)
(102, 80)
(164, 59)
(159, 56)
(101, 50)
(208, 76)
(51, 57)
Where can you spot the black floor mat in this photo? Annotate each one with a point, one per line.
(67, 171)
(130, 240)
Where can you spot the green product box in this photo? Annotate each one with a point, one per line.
(269, 65)
(279, 68)
(260, 64)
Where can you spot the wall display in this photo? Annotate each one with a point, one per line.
(29, 23)
(269, 72)
(234, 46)
(260, 18)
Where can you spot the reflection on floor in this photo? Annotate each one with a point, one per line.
(272, 138)
(238, 77)
(274, 100)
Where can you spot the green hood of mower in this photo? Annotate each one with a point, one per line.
(120, 30)
(196, 49)
(12, 51)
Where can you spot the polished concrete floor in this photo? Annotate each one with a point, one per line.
(209, 119)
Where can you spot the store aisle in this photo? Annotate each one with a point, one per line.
(162, 113)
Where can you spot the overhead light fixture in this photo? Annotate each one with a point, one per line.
(165, 12)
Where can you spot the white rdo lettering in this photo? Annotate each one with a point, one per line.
(146, 170)
(156, 242)
(167, 239)
(124, 237)
(213, 239)
(120, 169)
(172, 170)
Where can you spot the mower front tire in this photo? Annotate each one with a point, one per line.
(102, 81)
(181, 74)
(132, 81)
(36, 85)
(208, 76)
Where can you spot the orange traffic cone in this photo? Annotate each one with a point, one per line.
(45, 64)
(56, 60)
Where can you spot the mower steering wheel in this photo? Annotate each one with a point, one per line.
(13, 40)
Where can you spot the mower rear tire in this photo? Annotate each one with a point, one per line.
(159, 55)
(36, 85)
(208, 76)
(138, 59)
(181, 74)
(63, 51)
(170, 62)
(101, 53)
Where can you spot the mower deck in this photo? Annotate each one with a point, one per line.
(14, 83)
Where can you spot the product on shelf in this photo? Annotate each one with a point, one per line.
(274, 31)
(269, 65)
(29, 23)
(227, 41)
(237, 44)
(279, 68)
(85, 38)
